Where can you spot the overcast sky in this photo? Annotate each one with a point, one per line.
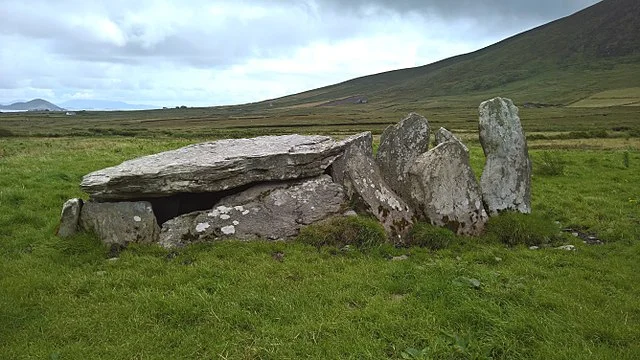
(208, 52)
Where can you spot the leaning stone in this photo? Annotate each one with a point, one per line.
(444, 190)
(506, 179)
(120, 223)
(444, 135)
(358, 173)
(268, 211)
(214, 166)
(400, 145)
(70, 217)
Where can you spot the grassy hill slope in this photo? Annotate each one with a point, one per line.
(594, 50)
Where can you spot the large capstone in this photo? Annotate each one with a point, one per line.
(213, 166)
(268, 211)
(506, 179)
(400, 145)
(70, 217)
(120, 223)
(444, 190)
(358, 173)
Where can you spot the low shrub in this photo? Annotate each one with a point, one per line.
(551, 163)
(429, 236)
(358, 231)
(513, 228)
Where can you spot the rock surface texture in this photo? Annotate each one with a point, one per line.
(444, 135)
(70, 217)
(214, 166)
(120, 223)
(444, 189)
(506, 178)
(400, 145)
(269, 211)
(364, 185)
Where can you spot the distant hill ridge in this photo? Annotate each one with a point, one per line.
(591, 51)
(33, 105)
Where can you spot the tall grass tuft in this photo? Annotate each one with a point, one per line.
(429, 236)
(513, 228)
(358, 231)
(551, 164)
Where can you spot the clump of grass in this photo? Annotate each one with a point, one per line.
(358, 231)
(625, 159)
(513, 228)
(551, 164)
(429, 236)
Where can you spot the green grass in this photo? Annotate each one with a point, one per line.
(476, 298)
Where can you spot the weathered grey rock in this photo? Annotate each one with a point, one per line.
(400, 145)
(214, 166)
(120, 223)
(70, 217)
(364, 185)
(269, 211)
(444, 135)
(506, 178)
(444, 189)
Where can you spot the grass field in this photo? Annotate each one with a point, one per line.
(475, 299)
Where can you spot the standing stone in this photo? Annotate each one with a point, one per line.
(120, 223)
(506, 179)
(269, 211)
(365, 187)
(444, 189)
(214, 166)
(400, 145)
(444, 135)
(70, 217)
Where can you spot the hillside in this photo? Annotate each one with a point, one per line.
(33, 105)
(562, 62)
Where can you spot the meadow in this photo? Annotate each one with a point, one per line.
(475, 298)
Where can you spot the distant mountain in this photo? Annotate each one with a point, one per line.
(91, 104)
(33, 105)
(570, 59)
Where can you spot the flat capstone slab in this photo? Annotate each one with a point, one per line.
(214, 166)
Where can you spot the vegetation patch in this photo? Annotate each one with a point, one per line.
(356, 231)
(513, 228)
(429, 236)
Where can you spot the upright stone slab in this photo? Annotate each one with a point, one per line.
(506, 178)
(364, 185)
(120, 223)
(268, 211)
(400, 145)
(444, 189)
(444, 135)
(70, 217)
(214, 166)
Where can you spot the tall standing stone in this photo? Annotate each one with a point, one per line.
(444, 189)
(365, 187)
(121, 222)
(400, 145)
(506, 178)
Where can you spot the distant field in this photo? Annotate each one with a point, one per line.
(224, 122)
(618, 97)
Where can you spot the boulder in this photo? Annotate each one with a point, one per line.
(444, 135)
(506, 178)
(70, 217)
(400, 145)
(444, 190)
(213, 166)
(365, 187)
(269, 211)
(120, 223)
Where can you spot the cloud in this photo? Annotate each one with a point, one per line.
(204, 52)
